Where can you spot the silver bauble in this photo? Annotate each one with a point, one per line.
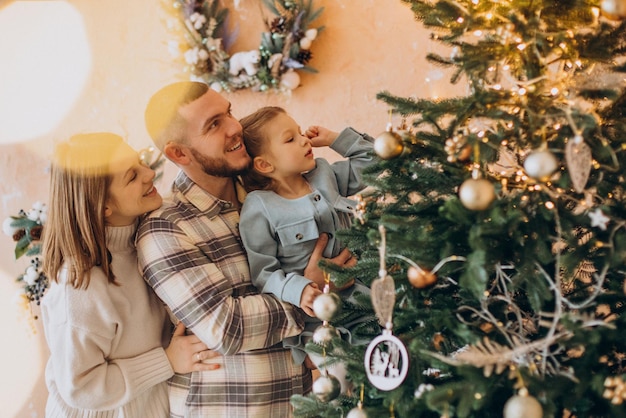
(388, 145)
(540, 165)
(326, 306)
(520, 406)
(324, 334)
(326, 387)
(477, 194)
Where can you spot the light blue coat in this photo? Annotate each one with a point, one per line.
(279, 234)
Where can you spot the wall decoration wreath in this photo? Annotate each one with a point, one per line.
(284, 49)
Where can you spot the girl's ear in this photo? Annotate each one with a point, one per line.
(262, 165)
(107, 210)
(176, 153)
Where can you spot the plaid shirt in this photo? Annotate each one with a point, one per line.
(190, 252)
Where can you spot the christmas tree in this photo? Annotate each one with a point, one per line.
(493, 235)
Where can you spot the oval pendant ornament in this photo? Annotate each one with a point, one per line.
(386, 361)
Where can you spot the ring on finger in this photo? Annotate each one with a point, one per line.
(197, 356)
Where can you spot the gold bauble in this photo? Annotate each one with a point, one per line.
(613, 9)
(421, 278)
(477, 194)
(388, 145)
(465, 153)
(520, 406)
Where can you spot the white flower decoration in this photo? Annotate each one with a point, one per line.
(198, 20)
(39, 212)
(191, 56)
(31, 275)
(7, 228)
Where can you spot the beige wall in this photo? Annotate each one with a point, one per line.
(367, 46)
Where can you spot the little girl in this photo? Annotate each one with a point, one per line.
(293, 198)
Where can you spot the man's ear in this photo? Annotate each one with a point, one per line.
(262, 165)
(176, 153)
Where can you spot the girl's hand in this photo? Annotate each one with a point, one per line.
(186, 352)
(309, 293)
(320, 136)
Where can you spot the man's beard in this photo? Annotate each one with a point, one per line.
(217, 167)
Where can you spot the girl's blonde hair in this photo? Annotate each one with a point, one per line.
(74, 234)
(256, 140)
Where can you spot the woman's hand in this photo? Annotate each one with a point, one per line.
(186, 352)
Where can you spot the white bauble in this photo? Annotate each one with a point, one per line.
(290, 80)
(326, 305)
(324, 334)
(310, 34)
(540, 164)
(519, 406)
(326, 387)
(613, 9)
(305, 43)
(356, 413)
(216, 86)
(477, 194)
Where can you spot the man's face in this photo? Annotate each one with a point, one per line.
(215, 136)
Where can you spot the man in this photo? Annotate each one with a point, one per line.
(190, 252)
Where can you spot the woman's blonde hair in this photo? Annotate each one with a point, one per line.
(74, 234)
(256, 140)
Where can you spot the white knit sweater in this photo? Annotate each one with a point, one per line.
(106, 354)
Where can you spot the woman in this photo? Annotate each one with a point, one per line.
(104, 326)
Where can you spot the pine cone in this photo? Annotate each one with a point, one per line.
(35, 232)
(277, 25)
(18, 235)
(304, 56)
